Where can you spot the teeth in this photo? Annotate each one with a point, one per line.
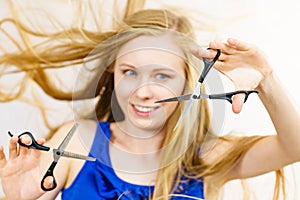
(144, 109)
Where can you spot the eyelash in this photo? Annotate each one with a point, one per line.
(164, 76)
(129, 72)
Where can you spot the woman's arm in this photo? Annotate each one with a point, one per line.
(273, 152)
(247, 67)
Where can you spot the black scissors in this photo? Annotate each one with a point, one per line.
(196, 95)
(57, 153)
(224, 96)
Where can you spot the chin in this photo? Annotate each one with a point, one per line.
(150, 125)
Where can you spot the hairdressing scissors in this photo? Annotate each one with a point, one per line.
(196, 95)
(57, 153)
(224, 96)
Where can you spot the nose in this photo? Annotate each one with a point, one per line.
(145, 91)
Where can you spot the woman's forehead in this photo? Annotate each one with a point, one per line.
(164, 42)
(154, 58)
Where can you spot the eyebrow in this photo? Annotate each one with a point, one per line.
(166, 67)
(126, 64)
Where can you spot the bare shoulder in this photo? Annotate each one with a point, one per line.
(82, 139)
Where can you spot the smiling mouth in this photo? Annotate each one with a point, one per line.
(144, 109)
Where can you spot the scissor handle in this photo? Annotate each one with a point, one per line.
(228, 96)
(33, 145)
(49, 173)
(208, 65)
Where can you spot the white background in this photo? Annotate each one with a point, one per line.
(272, 25)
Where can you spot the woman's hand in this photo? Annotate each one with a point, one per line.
(20, 173)
(244, 64)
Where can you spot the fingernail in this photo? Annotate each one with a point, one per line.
(231, 40)
(213, 44)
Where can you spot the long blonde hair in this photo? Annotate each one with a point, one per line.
(78, 45)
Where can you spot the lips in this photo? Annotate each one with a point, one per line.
(144, 111)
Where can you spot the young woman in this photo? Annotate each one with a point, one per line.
(149, 57)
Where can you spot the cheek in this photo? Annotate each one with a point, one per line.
(170, 108)
(124, 88)
(171, 88)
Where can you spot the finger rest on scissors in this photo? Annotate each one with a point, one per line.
(45, 181)
(228, 96)
(208, 65)
(30, 142)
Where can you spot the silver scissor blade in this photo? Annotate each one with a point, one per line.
(188, 106)
(77, 156)
(179, 98)
(196, 93)
(68, 137)
(197, 90)
(203, 96)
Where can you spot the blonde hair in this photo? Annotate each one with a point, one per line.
(78, 45)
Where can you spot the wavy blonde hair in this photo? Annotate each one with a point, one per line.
(74, 46)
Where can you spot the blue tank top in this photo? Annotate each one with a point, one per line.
(98, 180)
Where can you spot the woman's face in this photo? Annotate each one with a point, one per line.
(148, 69)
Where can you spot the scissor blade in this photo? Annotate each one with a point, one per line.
(196, 93)
(67, 139)
(179, 98)
(203, 96)
(77, 156)
(186, 109)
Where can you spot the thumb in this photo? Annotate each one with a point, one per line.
(237, 103)
(49, 182)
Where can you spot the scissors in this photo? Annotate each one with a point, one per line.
(225, 96)
(196, 95)
(57, 153)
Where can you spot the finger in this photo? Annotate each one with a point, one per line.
(25, 139)
(2, 157)
(208, 54)
(201, 53)
(13, 149)
(48, 182)
(41, 141)
(228, 63)
(223, 57)
(225, 49)
(237, 103)
(238, 44)
(37, 153)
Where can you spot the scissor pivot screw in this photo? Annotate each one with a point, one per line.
(58, 153)
(194, 96)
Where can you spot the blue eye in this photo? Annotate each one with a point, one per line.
(130, 72)
(162, 76)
